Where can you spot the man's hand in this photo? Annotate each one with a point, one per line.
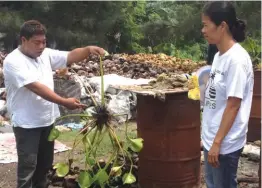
(96, 50)
(79, 54)
(72, 104)
(213, 155)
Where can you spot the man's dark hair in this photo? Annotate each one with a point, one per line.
(31, 28)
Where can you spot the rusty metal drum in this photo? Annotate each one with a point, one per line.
(171, 154)
(254, 125)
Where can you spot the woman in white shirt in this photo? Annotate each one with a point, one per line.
(228, 95)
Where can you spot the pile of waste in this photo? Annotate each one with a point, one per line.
(137, 66)
(150, 71)
(165, 81)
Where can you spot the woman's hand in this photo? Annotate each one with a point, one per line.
(213, 155)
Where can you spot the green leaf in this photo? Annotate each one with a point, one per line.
(90, 161)
(53, 134)
(128, 178)
(101, 177)
(84, 179)
(62, 169)
(136, 144)
(116, 171)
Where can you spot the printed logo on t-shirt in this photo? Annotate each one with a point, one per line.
(210, 97)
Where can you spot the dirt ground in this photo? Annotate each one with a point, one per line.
(246, 169)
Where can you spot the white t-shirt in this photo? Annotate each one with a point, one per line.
(231, 76)
(27, 109)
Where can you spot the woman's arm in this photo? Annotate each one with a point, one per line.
(236, 83)
(228, 118)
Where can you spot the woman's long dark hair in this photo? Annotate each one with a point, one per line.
(211, 52)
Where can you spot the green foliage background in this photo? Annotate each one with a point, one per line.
(171, 27)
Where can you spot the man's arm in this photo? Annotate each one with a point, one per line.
(46, 93)
(51, 96)
(79, 54)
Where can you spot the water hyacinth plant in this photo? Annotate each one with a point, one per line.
(99, 123)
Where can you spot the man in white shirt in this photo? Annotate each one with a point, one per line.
(32, 102)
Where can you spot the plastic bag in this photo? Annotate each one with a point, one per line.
(83, 81)
(194, 90)
(121, 105)
(115, 80)
(3, 108)
(194, 94)
(199, 81)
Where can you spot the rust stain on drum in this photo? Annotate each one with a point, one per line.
(254, 125)
(171, 132)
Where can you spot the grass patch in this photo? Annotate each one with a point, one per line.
(68, 137)
(105, 148)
